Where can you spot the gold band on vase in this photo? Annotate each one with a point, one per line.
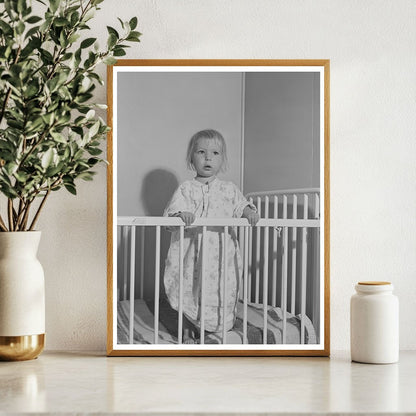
(20, 348)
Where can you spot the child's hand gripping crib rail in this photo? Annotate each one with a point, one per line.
(245, 308)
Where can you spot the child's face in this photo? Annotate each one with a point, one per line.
(207, 157)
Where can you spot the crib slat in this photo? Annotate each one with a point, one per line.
(203, 261)
(157, 283)
(132, 270)
(125, 242)
(241, 242)
(304, 265)
(250, 257)
(316, 283)
(294, 237)
(284, 272)
(257, 264)
(317, 211)
(143, 231)
(246, 279)
(274, 281)
(265, 270)
(180, 306)
(240, 234)
(224, 288)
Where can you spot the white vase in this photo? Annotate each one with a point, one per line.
(22, 296)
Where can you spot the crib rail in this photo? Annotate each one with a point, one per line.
(303, 203)
(128, 227)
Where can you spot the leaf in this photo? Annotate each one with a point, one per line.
(20, 28)
(48, 118)
(110, 61)
(8, 191)
(32, 31)
(30, 90)
(119, 51)
(70, 188)
(7, 30)
(73, 38)
(47, 158)
(52, 171)
(54, 4)
(21, 6)
(121, 22)
(133, 38)
(11, 168)
(33, 19)
(35, 125)
(111, 30)
(94, 151)
(61, 21)
(67, 153)
(88, 16)
(9, 9)
(58, 137)
(62, 39)
(112, 41)
(94, 129)
(21, 176)
(74, 18)
(133, 23)
(87, 42)
(90, 114)
(86, 176)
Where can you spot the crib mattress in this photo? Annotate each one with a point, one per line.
(168, 325)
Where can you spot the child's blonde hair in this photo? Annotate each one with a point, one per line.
(207, 134)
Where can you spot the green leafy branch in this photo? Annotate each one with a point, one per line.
(50, 134)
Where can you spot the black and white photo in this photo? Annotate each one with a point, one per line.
(218, 208)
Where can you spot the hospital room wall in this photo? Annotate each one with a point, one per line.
(281, 131)
(282, 151)
(157, 113)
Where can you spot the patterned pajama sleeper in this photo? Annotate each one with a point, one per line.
(217, 199)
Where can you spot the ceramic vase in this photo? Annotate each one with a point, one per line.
(374, 323)
(22, 296)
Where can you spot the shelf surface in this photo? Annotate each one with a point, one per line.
(85, 382)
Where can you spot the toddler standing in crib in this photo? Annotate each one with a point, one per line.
(206, 196)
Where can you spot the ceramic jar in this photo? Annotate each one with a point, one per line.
(374, 323)
(22, 296)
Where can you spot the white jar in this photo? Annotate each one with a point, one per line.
(374, 323)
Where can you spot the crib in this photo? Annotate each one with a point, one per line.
(279, 297)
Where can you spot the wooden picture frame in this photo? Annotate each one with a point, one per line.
(275, 116)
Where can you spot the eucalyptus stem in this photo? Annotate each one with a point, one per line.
(20, 214)
(32, 225)
(26, 216)
(34, 145)
(10, 213)
(2, 224)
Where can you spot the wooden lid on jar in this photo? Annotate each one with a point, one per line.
(374, 283)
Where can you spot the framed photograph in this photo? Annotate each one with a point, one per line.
(218, 208)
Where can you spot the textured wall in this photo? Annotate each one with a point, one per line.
(373, 127)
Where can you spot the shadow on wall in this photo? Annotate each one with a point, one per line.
(157, 190)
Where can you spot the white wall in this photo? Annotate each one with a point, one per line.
(373, 126)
